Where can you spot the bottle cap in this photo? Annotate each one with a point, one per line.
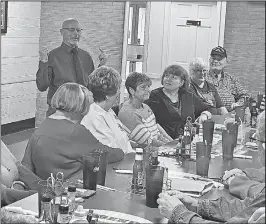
(71, 188)
(139, 150)
(46, 197)
(80, 211)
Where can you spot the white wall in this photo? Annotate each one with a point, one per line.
(156, 31)
(19, 61)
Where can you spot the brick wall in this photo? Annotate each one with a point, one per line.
(103, 27)
(244, 40)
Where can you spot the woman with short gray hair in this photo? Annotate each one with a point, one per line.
(198, 69)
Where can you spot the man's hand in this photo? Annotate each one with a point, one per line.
(44, 55)
(258, 216)
(167, 204)
(230, 175)
(102, 57)
(190, 203)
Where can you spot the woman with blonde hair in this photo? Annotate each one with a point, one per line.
(60, 142)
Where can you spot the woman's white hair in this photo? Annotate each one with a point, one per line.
(197, 64)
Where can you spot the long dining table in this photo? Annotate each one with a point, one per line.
(122, 200)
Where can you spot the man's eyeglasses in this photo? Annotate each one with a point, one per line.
(72, 30)
(170, 76)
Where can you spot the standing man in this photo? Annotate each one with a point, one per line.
(66, 63)
(228, 86)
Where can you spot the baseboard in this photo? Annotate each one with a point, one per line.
(17, 126)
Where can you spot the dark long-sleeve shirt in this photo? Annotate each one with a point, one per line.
(172, 116)
(60, 69)
(59, 146)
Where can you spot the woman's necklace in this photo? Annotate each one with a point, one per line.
(172, 97)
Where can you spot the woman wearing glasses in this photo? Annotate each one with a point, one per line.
(138, 117)
(203, 89)
(173, 103)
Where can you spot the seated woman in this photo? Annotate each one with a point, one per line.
(137, 116)
(17, 181)
(101, 121)
(59, 143)
(203, 89)
(173, 103)
(181, 208)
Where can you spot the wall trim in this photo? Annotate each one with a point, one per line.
(146, 37)
(166, 34)
(221, 8)
(124, 52)
(17, 126)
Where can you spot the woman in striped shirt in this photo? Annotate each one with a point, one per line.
(138, 117)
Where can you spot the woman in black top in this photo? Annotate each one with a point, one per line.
(173, 103)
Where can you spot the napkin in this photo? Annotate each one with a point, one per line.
(83, 193)
(192, 187)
